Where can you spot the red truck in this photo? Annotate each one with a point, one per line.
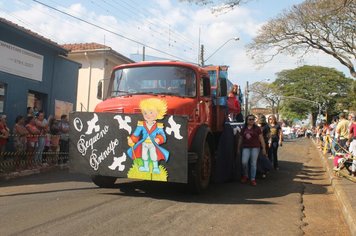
(158, 121)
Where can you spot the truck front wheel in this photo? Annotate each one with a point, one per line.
(200, 171)
(103, 181)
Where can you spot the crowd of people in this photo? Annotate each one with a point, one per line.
(34, 139)
(338, 138)
(258, 144)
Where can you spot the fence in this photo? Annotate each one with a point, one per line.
(55, 152)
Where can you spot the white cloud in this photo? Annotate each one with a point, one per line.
(172, 28)
(164, 4)
(77, 10)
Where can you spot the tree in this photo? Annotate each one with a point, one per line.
(352, 97)
(262, 92)
(219, 6)
(314, 25)
(306, 87)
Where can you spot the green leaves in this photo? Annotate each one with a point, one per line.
(322, 25)
(319, 85)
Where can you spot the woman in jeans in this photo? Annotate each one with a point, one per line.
(276, 138)
(251, 141)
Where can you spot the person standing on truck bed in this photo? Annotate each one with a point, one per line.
(234, 105)
(251, 141)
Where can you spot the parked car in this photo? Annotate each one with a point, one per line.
(287, 132)
(300, 132)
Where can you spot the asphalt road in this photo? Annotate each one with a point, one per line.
(296, 200)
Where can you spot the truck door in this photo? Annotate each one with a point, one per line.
(205, 101)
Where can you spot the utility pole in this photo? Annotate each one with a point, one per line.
(202, 55)
(199, 48)
(143, 53)
(246, 99)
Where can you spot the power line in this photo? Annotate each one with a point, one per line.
(107, 30)
(83, 28)
(136, 11)
(144, 13)
(149, 30)
(42, 31)
(125, 12)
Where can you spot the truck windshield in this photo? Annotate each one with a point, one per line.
(166, 80)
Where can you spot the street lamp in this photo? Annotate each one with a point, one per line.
(234, 38)
(301, 99)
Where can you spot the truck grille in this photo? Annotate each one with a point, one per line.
(137, 110)
(115, 110)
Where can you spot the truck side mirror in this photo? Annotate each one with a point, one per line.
(206, 86)
(99, 93)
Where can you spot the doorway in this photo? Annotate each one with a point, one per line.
(37, 101)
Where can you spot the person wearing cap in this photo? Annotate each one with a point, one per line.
(343, 132)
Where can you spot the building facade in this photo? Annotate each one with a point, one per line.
(97, 62)
(34, 72)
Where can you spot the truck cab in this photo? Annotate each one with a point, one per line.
(184, 86)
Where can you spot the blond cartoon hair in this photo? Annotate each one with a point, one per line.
(154, 104)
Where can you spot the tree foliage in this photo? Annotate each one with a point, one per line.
(302, 89)
(218, 6)
(262, 92)
(321, 25)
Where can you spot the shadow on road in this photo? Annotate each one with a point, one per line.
(288, 180)
(294, 174)
(52, 176)
(47, 191)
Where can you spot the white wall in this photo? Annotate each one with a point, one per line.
(95, 67)
(90, 74)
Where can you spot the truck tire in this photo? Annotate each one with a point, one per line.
(201, 171)
(103, 181)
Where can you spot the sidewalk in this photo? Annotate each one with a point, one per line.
(27, 172)
(345, 191)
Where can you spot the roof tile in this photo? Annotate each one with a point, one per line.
(84, 46)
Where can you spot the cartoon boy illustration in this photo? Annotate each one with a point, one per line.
(148, 135)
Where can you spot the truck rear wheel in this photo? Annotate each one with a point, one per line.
(103, 181)
(200, 172)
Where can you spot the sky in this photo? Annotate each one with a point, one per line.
(169, 29)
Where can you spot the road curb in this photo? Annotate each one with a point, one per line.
(16, 174)
(342, 197)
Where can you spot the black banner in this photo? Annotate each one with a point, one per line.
(125, 145)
